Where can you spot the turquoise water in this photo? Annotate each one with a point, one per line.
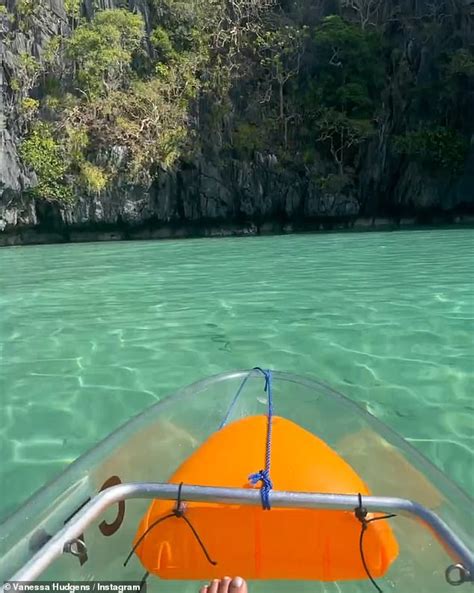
(91, 334)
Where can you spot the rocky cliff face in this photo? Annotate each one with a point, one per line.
(217, 195)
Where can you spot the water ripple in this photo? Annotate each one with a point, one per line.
(92, 334)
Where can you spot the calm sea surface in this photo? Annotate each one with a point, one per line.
(91, 334)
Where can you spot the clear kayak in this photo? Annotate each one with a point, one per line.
(338, 502)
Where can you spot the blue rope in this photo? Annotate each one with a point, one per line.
(264, 474)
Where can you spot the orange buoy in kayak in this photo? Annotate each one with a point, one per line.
(283, 543)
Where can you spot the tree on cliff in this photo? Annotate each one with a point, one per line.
(281, 52)
(119, 97)
(368, 11)
(102, 50)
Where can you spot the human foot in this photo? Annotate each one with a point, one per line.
(225, 585)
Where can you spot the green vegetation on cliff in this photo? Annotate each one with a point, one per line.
(42, 153)
(437, 148)
(122, 97)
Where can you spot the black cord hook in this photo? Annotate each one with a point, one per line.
(361, 514)
(177, 512)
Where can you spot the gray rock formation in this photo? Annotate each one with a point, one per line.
(214, 195)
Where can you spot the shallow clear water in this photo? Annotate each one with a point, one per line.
(91, 334)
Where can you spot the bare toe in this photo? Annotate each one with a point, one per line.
(214, 586)
(237, 585)
(224, 585)
(204, 589)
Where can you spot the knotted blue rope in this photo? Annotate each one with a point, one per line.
(264, 474)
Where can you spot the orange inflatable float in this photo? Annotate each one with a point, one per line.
(283, 543)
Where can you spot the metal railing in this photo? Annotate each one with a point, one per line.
(461, 571)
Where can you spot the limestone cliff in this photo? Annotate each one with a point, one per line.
(215, 192)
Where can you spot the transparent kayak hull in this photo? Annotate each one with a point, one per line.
(150, 447)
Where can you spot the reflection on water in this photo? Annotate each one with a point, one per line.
(94, 333)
